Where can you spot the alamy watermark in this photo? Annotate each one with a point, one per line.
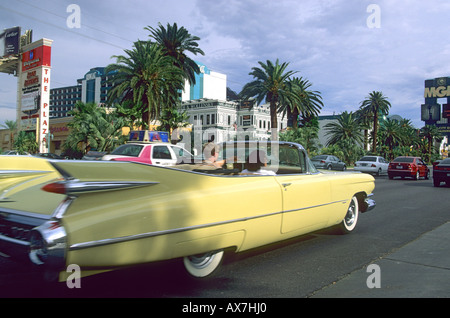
(374, 19)
(74, 279)
(73, 21)
(374, 279)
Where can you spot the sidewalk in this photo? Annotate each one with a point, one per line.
(419, 269)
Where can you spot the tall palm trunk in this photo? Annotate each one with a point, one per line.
(375, 132)
(273, 120)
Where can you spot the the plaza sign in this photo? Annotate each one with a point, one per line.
(34, 87)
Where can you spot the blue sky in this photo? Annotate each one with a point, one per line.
(343, 47)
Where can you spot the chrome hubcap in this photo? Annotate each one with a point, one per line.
(201, 260)
(351, 214)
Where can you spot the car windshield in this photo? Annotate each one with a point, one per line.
(403, 159)
(279, 157)
(319, 158)
(445, 161)
(372, 159)
(128, 150)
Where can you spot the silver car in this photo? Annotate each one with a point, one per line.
(372, 164)
(328, 162)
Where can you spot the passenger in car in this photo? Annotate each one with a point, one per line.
(256, 164)
(211, 154)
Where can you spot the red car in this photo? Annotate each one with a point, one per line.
(441, 172)
(411, 167)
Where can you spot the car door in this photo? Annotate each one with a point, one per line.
(340, 164)
(162, 156)
(335, 163)
(182, 155)
(423, 169)
(384, 165)
(306, 196)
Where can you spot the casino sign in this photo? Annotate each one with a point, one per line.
(431, 112)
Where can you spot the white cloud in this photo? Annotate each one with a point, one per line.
(328, 42)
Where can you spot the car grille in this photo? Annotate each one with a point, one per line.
(17, 225)
(15, 230)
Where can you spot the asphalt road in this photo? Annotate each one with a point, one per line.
(406, 209)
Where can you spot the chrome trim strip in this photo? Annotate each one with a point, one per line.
(316, 206)
(12, 240)
(77, 186)
(20, 173)
(26, 214)
(62, 208)
(121, 239)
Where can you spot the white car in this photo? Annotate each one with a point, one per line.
(159, 154)
(372, 164)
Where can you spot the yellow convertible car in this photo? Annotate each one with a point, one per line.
(104, 215)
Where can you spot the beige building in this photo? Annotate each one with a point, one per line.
(5, 140)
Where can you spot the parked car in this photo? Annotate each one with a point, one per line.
(328, 162)
(15, 153)
(104, 215)
(50, 156)
(408, 167)
(94, 155)
(160, 154)
(441, 172)
(372, 164)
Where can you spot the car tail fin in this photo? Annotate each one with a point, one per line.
(20, 172)
(85, 177)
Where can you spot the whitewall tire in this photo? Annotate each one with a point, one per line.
(203, 265)
(350, 220)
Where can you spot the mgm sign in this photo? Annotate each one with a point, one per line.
(431, 110)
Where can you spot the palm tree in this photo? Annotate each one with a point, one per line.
(172, 119)
(106, 131)
(308, 104)
(144, 80)
(176, 42)
(26, 142)
(307, 136)
(347, 127)
(93, 127)
(392, 134)
(365, 120)
(410, 134)
(375, 104)
(80, 126)
(271, 85)
(430, 133)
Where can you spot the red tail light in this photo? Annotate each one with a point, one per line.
(55, 187)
